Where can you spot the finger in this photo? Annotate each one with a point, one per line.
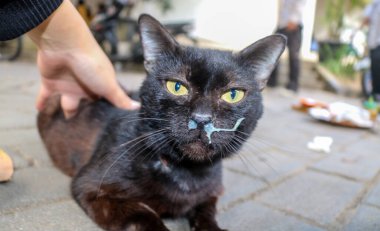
(121, 100)
(42, 97)
(69, 105)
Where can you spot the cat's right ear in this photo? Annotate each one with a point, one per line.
(262, 57)
(156, 41)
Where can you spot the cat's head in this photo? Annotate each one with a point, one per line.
(191, 91)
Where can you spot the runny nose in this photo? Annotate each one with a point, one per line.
(201, 119)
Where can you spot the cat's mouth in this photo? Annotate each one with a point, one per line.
(197, 150)
(203, 142)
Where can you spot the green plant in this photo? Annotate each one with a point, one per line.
(165, 5)
(340, 61)
(339, 58)
(335, 10)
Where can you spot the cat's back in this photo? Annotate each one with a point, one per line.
(70, 143)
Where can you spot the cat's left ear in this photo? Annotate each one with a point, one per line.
(156, 41)
(262, 56)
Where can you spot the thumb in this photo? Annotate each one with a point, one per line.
(69, 105)
(119, 99)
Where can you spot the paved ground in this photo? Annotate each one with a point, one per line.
(275, 184)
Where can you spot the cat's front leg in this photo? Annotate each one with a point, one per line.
(116, 214)
(202, 217)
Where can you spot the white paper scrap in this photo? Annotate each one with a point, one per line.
(320, 144)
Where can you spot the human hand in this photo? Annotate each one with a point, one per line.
(72, 64)
(365, 22)
(77, 76)
(291, 26)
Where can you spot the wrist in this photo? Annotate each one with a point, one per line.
(63, 31)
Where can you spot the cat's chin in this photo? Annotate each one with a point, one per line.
(197, 150)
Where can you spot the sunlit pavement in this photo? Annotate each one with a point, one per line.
(275, 183)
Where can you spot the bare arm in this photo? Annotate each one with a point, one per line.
(72, 63)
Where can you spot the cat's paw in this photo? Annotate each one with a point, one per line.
(146, 227)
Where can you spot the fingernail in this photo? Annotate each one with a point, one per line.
(135, 105)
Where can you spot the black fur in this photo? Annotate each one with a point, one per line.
(146, 165)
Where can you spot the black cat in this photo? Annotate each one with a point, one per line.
(198, 106)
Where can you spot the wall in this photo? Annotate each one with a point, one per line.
(234, 24)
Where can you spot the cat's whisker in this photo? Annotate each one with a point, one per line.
(146, 136)
(258, 148)
(223, 151)
(139, 118)
(252, 148)
(143, 119)
(258, 151)
(163, 140)
(143, 136)
(246, 160)
(233, 147)
(244, 133)
(265, 141)
(155, 150)
(211, 162)
(175, 143)
(236, 145)
(136, 154)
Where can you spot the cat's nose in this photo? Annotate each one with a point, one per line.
(201, 119)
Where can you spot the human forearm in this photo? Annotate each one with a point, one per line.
(63, 30)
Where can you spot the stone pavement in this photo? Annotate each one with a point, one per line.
(275, 183)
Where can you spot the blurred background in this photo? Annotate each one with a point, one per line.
(333, 42)
(298, 171)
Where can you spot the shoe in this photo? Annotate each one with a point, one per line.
(287, 93)
(292, 87)
(271, 85)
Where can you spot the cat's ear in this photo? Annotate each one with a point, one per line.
(156, 40)
(262, 56)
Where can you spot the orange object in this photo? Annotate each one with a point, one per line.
(305, 103)
(6, 166)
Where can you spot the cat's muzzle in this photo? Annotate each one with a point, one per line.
(209, 128)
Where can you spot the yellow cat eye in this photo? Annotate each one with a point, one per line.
(176, 88)
(233, 96)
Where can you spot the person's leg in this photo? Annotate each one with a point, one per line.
(272, 81)
(294, 45)
(375, 71)
(112, 39)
